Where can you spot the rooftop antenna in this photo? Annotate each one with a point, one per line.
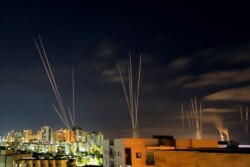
(132, 95)
(61, 110)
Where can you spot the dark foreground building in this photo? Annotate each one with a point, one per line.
(164, 151)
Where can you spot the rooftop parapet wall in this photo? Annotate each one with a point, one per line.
(189, 143)
(6, 152)
(204, 143)
(200, 159)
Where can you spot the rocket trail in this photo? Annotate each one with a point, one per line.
(61, 113)
(132, 95)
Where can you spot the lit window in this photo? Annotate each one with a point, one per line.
(138, 155)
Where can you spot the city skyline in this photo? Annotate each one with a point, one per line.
(188, 50)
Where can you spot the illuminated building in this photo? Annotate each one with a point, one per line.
(10, 136)
(69, 135)
(77, 133)
(5, 158)
(47, 134)
(84, 147)
(95, 137)
(80, 135)
(42, 162)
(136, 152)
(162, 151)
(8, 158)
(27, 135)
(203, 158)
(108, 153)
(38, 135)
(84, 136)
(194, 143)
(60, 136)
(14, 136)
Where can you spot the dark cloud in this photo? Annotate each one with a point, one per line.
(148, 87)
(111, 75)
(234, 94)
(235, 55)
(218, 78)
(181, 80)
(107, 49)
(179, 63)
(219, 110)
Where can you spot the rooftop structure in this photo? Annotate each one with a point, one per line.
(162, 151)
(136, 152)
(202, 158)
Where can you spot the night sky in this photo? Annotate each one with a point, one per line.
(188, 49)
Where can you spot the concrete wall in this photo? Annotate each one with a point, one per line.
(106, 154)
(183, 143)
(137, 145)
(42, 163)
(119, 153)
(151, 142)
(204, 143)
(105, 146)
(6, 161)
(200, 159)
(6, 152)
(191, 143)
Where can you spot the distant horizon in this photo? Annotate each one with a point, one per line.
(246, 142)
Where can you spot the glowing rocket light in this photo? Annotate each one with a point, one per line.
(194, 118)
